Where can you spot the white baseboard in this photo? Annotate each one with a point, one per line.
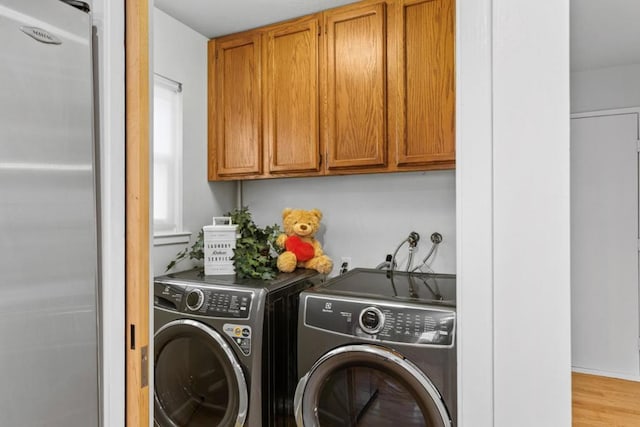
(617, 375)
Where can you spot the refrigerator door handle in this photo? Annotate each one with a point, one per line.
(82, 5)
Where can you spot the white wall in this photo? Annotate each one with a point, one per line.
(597, 90)
(474, 194)
(605, 88)
(367, 216)
(532, 336)
(513, 100)
(180, 54)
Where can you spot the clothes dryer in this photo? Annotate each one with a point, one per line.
(378, 349)
(225, 349)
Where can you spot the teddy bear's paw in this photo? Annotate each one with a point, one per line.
(287, 262)
(321, 264)
(280, 240)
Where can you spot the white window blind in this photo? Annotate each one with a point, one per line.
(167, 156)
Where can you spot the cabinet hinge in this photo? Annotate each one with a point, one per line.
(319, 29)
(320, 160)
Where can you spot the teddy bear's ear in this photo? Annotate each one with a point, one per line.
(286, 212)
(317, 213)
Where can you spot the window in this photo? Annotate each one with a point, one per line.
(167, 159)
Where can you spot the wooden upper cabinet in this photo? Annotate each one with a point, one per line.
(292, 132)
(370, 85)
(425, 81)
(238, 106)
(356, 110)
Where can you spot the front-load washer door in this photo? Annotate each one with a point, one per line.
(198, 380)
(368, 385)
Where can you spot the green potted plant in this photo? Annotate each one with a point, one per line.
(255, 253)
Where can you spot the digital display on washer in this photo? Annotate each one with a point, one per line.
(379, 321)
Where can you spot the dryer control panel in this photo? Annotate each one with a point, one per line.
(410, 324)
(204, 300)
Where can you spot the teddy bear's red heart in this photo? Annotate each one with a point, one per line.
(302, 250)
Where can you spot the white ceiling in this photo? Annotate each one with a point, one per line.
(604, 33)
(213, 18)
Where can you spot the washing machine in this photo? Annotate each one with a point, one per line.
(378, 348)
(225, 349)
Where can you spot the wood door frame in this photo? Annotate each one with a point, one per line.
(137, 211)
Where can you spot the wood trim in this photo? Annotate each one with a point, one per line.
(137, 209)
(212, 170)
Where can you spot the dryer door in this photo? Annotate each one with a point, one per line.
(367, 385)
(198, 380)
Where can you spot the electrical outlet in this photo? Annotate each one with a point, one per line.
(345, 264)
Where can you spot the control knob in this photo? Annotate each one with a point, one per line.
(195, 299)
(371, 320)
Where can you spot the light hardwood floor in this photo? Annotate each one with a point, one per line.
(601, 401)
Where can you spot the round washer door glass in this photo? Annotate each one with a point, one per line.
(198, 381)
(366, 385)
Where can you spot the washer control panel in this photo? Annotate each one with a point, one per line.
(410, 324)
(206, 301)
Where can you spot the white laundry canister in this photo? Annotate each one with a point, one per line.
(219, 243)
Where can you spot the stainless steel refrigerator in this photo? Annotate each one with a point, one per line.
(48, 232)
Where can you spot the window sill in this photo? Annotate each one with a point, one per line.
(174, 238)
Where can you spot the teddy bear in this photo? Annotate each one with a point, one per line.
(301, 249)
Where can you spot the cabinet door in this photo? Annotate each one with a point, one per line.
(292, 132)
(356, 113)
(238, 130)
(425, 79)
